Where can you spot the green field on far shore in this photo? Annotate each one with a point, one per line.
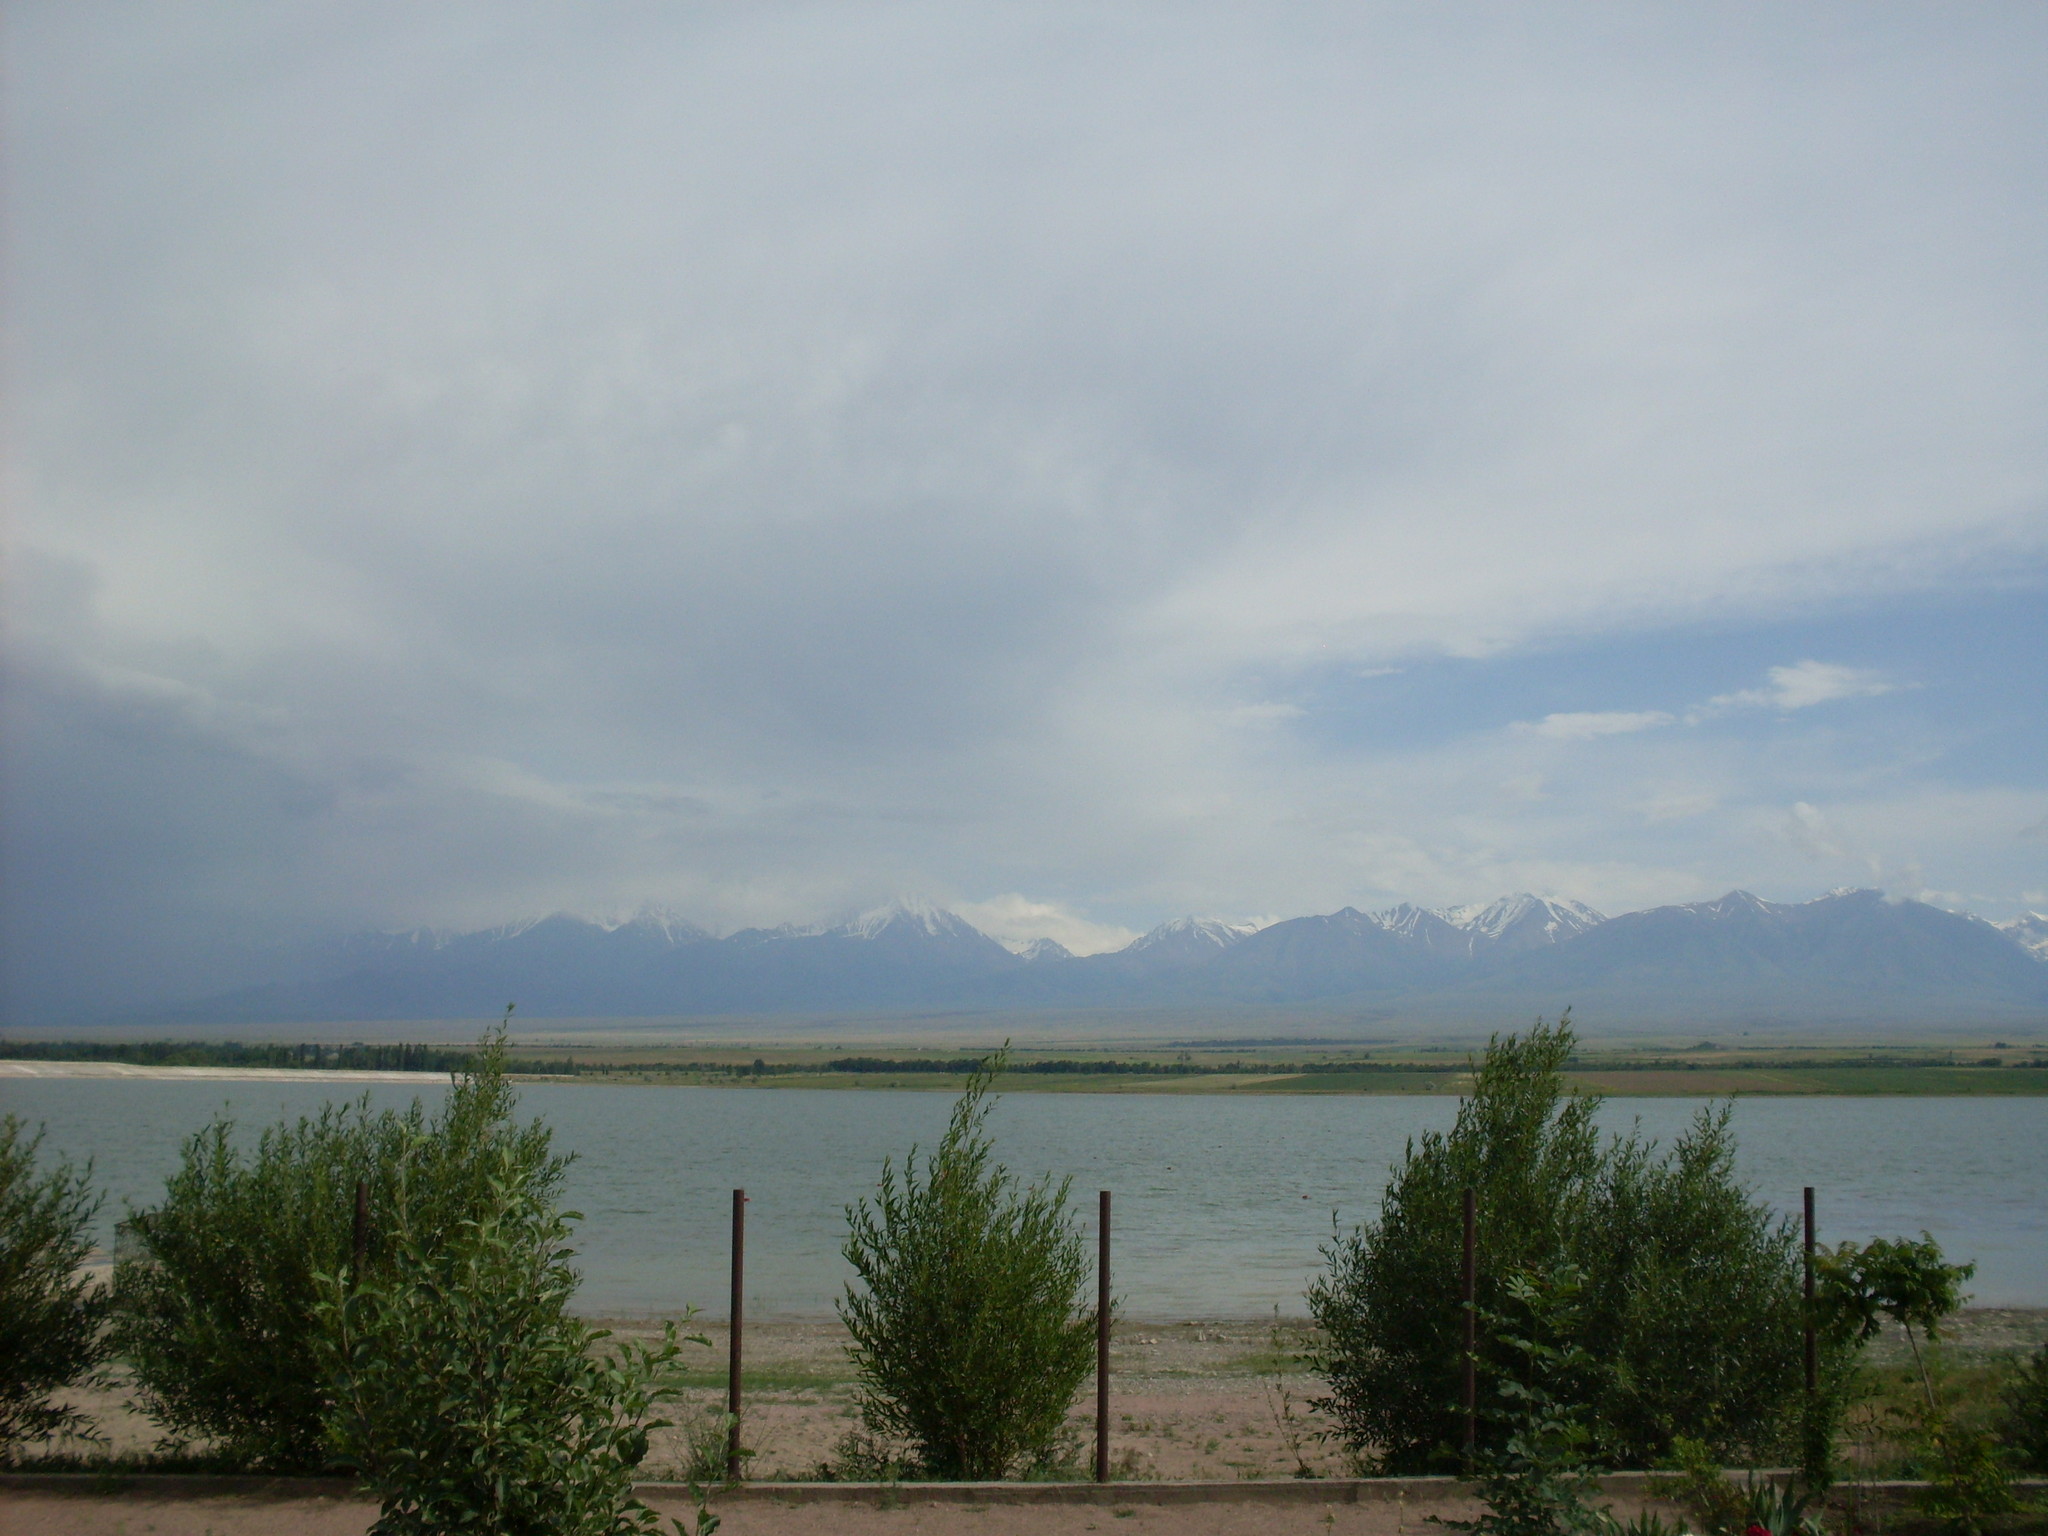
(1636, 1069)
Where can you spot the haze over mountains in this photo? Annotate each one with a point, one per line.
(1848, 958)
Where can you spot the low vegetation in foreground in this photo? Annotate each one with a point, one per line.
(389, 1295)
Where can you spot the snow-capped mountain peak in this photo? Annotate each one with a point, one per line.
(911, 918)
(1554, 920)
(1045, 949)
(1414, 922)
(2030, 931)
(1191, 936)
(652, 918)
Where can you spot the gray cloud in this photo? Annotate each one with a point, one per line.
(474, 460)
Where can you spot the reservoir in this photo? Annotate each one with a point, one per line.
(1222, 1203)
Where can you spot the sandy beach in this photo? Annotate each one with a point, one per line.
(1203, 1400)
(1209, 1400)
(55, 1069)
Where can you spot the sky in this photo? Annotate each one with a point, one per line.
(1081, 465)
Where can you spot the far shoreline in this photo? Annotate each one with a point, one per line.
(1735, 1080)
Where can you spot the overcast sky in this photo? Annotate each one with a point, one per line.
(1078, 464)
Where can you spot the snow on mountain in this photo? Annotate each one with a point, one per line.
(1507, 925)
(654, 920)
(1189, 938)
(1045, 949)
(2030, 931)
(909, 920)
(1525, 921)
(1428, 929)
(1849, 957)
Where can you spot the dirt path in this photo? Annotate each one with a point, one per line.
(66, 1515)
(1192, 1400)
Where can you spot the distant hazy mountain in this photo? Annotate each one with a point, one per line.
(1848, 956)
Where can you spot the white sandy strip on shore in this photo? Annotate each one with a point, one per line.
(226, 1074)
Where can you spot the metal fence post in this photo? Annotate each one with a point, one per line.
(1102, 1342)
(1811, 1343)
(732, 1364)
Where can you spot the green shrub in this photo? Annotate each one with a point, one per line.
(1690, 1304)
(1535, 1480)
(214, 1287)
(51, 1317)
(466, 1396)
(215, 1292)
(971, 1325)
(1968, 1471)
(2025, 1426)
(1722, 1507)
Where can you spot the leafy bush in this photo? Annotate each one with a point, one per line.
(466, 1395)
(1968, 1471)
(1723, 1507)
(971, 1328)
(215, 1299)
(1536, 1481)
(214, 1287)
(50, 1316)
(1690, 1305)
(2025, 1428)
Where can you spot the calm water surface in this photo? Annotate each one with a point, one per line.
(1221, 1203)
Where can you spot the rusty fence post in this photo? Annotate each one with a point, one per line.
(732, 1363)
(1102, 1342)
(1811, 1343)
(1470, 1287)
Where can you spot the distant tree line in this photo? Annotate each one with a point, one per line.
(1058, 1066)
(399, 1057)
(356, 1056)
(359, 1056)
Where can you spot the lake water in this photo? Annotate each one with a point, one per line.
(1221, 1203)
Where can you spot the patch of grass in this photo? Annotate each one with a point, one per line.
(116, 1464)
(1370, 1082)
(1880, 1428)
(1264, 1362)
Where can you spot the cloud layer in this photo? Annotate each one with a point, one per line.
(472, 461)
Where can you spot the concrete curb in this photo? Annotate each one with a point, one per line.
(1289, 1490)
(1423, 1491)
(179, 1485)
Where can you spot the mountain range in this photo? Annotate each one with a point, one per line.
(1848, 958)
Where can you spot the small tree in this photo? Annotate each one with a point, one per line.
(1688, 1294)
(1968, 1475)
(1909, 1282)
(464, 1393)
(215, 1301)
(970, 1323)
(50, 1314)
